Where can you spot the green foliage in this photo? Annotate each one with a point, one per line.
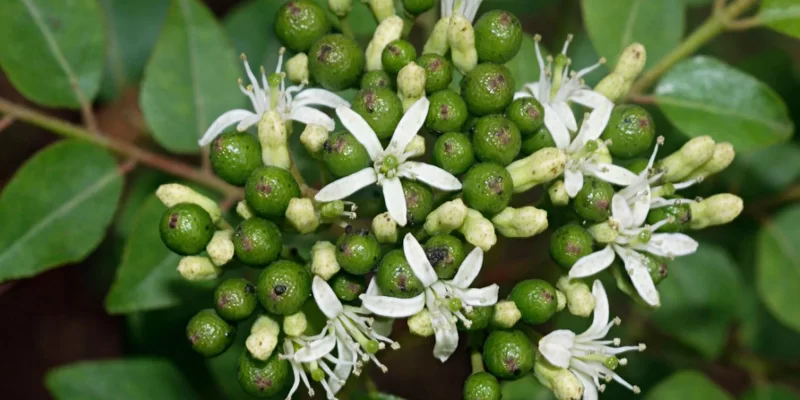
(687, 385)
(524, 67)
(781, 15)
(772, 392)
(778, 266)
(525, 388)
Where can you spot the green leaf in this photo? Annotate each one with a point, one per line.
(525, 388)
(56, 208)
(52, 50)
(781, 15)
(524, 67)
(765, 170)
(191, 78)
(130, 379)
(615, 24)
(697, 307)
(778, 266)
(687, 385)
(704, 96)
(148, 278)
(251, 29)
(141, 184)
(772, 392)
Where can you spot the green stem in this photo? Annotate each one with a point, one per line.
(476, 359)
(344, 25)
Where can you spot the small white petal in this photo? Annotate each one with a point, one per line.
(640, 276)
(409, 125)
(482, 297)
(360, 129)
(591, 99)
(373, 289)
(601, 311)
(326, 299)
(342, 371)
(316, 349)
(469, 269)
(573, 182)
(521, 95)
(593, 263)
(533, 88)
(343, 187)
(556, 347)
(670, 245)
(395, 200)
(319, 97)
(565, 115)
(223, 121)
(383, 326)
(248, 122)
(446, 335)
(641, 207)
(415, 255)
(432, 175)
(589, 389)
(308, 115)
(557, 129)
(393, 307)
(611, 173)
(621, 212)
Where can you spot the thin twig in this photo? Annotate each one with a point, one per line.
(643, 99)
(6, 122)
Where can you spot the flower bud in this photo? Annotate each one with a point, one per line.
(244, 210)
(302, 215)
(558, 193)
(389, 30)
(446, 218)
(220, 248)
(564, 384)
(540, 167)
(461, 38)
(384, 228)
(438, 40)
(561, 298)
(313, 138)
(273, 136)
(520, 222)
(716, 210)
(579, 296)
(416, 147)
(297, 68)
(478, 230)
(693, 154)
(263, 337)
(631, 61)
(295, 324)
(613, 86)
(506, 314)
(721, 158)
(174, 193)
(323, 260)
(603, 232)
(382, 9)
(264, 322)
(420, 324)
(411, 84)
(340, 8)
(198, 268)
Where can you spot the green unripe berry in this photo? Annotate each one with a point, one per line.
(396, 55)
(234, 156)
(395, 277)
(528, 114)
(445, 253)
(637, 165)
(496, 139)
(263, 378)
(536, 300)
(480, 317)
(417, 7)
(419, 201)
(498, 36)
(336, 62)
(344, 155)
(208, 334)
(508, 354)
(482, 386)
(488, 89)
(470, 125)
(438, 72)
(488, 188)
(453, 152)
(268, 191)
(299, 23)
(186, 228)
(593, 201)
(283, 287)
(348, 287)
(569, 243)
(681, 215)
(235, 299)
(357, 251)
(381, 108)
(447, 112)
(257, 242)
(539, 140)
(656, 266)
(631, 131)
(376, 79)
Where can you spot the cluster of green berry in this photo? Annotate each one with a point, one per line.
(490, 142)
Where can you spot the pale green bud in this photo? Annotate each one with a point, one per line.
(198, 268)
(420, 324)
(631, 61)
(263, 338)
(389, 30)
(716, 210)
(603, 232)
(693, 154)
(461, 37)
(558, 193)
(565, 385)
(721, 158)
(273, 136)
(506, 314)
(297, 68)
(447, 217)
(323, 260)
(340, 8)
(520, 222)
(438, 40)
(416, 147)
(174, 193)
(244, 210)
(579, 296)
(302, 215)
(384, 228)
(264, 322)
(220, 248)
(295, 324)
(411, 84)
(602, 155)
(478, 230)
(540, 167)
(561, 298)
(614, 86)
(382, 9)
(314, 137)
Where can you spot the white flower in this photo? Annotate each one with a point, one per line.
(467, 8)
(273, 95)
(443, 299)
(556, 88)
(390, 164)
(588, 355)
(312, 353)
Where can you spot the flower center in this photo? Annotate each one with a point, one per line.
(388, 166)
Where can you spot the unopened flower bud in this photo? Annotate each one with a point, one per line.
(579, 296)
(297, 68)
(558, 193)
(446, 218)
(438, 40)
(723, 157)
(613, 86)
(520, 222)
(561, 299)
(295, 324)
(506, 314)
(420, 324)
(273, 136)
(540, 167)
(264, 322)
(416, 147)
(718, 209)
(603, 232)
(198, 268)
(220, 248)
(244, 210)
(389, 30)
(692, 155)
(323, 260)
(478, 230)
(314, 137)
(631, 61)
(340, 8)
(174, 193)
(384, 228)
(411, 84)
(263, 337)
(382, 9)
(564, 384)
(302, 215)
(461, 38)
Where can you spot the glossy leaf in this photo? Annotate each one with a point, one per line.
(687, 385)
(778, 266)
(704, 96)
(52, 50)
(251, 29)
(615, 24)
(56, 208)
(129, 379)
(781, 15)
(191, 78)
(525, 388)
(766, 170)
(771, 392)
(524, 67)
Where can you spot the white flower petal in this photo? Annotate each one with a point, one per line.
(248, 122)
(482, 297)
(621, 212)
(418, 260)
(316, 349)
(409, 125)
(556, 347)
(469, 269)
(223, 121)
(640, 207)
(533, 88)
(592, 99)
(343, 187)
(669, 245)
(393, 307)
(361, 130)
(639, 274)
(342, 371)
(432, 175)
(395, 200)
(521, 95)
(589, 389)
(383, 326)
(601, 310)
(557, 129)
(308, 115)
(573, 182)
(326, 299)
(593, 263)
(611, 173)
(319, 97)
(446, 335)
(565, 115)
(373, 289)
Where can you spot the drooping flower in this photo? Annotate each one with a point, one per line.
(444, 299)
(588, 355)
(292, 103)
(390, 164)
